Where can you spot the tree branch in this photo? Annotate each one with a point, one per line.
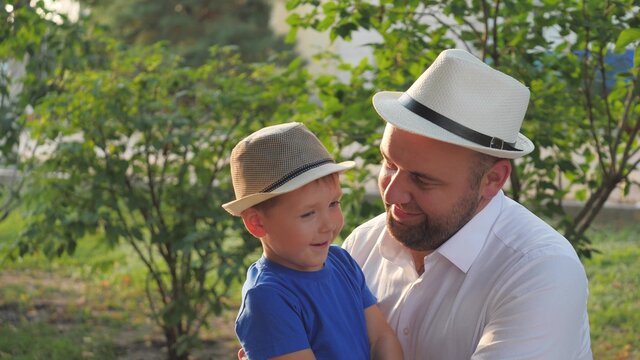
(587, 93)
(624, 123)
(605, 98)
(453, 31)
(496, 9)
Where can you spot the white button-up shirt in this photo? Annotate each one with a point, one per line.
(506, 286)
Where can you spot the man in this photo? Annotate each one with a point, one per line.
(460, 270)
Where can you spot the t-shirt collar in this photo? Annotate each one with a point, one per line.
(463, 248)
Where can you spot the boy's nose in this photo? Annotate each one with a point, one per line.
(330, 222)
(328, 225)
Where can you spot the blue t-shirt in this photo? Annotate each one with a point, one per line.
(285, 310)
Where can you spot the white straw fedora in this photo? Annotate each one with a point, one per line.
(463, 101)
(276, 160)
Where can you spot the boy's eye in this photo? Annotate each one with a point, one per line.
(307, 214)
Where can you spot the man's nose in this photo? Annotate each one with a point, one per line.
(395, 189)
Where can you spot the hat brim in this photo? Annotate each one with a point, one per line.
(236, 207)
(389, 108)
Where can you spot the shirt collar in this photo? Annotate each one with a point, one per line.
(463, 248)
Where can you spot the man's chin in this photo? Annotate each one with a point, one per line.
(411, 236)
(414, 237)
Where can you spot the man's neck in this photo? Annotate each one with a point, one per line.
(418, 260)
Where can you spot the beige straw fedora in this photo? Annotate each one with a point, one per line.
(463, 101)
(276, 160)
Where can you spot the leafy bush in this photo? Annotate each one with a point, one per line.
(139, 150)
(584, 110)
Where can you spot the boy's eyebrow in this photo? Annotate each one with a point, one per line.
(338, 195)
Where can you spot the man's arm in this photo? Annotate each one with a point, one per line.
(540, 314)
(383, 341)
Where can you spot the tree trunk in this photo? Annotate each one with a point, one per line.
(516, 187)
(171, 337)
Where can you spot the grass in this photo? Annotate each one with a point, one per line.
(103, 293)
(614, 299)
(67, 307)
(91, 305)
(44, 341)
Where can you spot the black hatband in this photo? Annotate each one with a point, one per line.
(454, 127)
(295, 173)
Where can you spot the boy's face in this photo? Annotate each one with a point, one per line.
(302, 224)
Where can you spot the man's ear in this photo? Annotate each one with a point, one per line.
(496, 177)
(252, 219)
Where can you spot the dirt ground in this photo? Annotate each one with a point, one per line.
(56, 300)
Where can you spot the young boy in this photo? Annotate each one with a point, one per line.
(303, 299)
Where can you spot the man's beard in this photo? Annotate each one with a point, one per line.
(435, 231)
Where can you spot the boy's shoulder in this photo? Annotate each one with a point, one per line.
(266, 282)
(343, 263)
(337, 251)
(340, 255)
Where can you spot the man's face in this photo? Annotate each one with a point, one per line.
(428, 188)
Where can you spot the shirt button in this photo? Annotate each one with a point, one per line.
(405, 331)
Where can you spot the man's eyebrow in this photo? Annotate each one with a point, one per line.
(417, 173)
(426, 177)
(384, 156)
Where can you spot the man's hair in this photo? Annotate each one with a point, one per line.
(483, 163)
(266, 205)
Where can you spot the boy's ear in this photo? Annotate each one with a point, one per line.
(252, 219)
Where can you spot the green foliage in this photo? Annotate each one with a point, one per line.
(37, 47)
(583, 114)
(132, 146)
(193, 26)
(613, 301)
(133, 142)
(614, 282)
(43, 341)
(138, 150)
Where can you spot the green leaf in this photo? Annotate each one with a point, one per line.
(626, 37)
(581, 195)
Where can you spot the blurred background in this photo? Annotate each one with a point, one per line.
(117, 119)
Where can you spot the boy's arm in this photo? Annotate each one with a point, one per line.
(305, 354)
(269, 326)
(383, 341)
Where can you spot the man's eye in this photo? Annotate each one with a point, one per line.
(388, 165)
(420, 181)
(334, 204)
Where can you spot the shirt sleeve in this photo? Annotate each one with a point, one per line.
(539, 314)
(360, 243)
(269, 324)
(368, 298)
(357, 275)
